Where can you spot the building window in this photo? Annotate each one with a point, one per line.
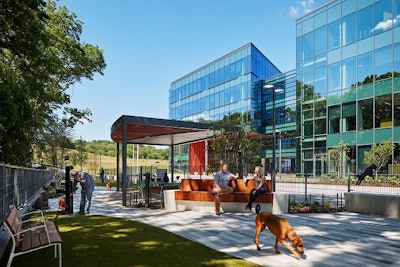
(383, 16)
(383, 63)
(319, 44)
(396, 109)
(334, 119)
(320, 82)
(349, 117)
(396, 13)
(333, 35)
(348, 73)
(365, 68)
(383, 111)
(365, 23)
(308, 47)
(334, 77)
(349, 29)
(365, 114)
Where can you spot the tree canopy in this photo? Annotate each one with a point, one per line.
(338, 156)
(235, 142)
(379, 154)
(41, 56)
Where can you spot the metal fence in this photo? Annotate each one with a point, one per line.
(19, 185)
(331, 188)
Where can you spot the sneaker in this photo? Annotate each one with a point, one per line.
(213, 193)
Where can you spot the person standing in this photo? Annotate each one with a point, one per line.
(87, 183)
(221, 185)
(260, 187)
(102, 175)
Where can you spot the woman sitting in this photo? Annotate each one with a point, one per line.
(260, 187)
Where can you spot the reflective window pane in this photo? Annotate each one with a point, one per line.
(334, 119)
(334, 13)
(396, 59)
(365, 114)
(349, 117)
(396, 12)
(308, 44)
(334, 77)
(349, 29)
(365, 24)
(320, 82)
(320, 19)
(383, 63)
(320, 40)
(365, 68)
(383, 111)
(383, 16)
(348, 6)
(334, 35)
(396, 109)
(348, 73)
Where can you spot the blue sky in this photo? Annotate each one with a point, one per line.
(150, 43)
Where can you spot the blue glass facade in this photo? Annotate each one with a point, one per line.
(348, 70)
(282, 113)
(346, 87)
(221, 87)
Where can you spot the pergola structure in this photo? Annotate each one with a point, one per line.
(152, 131)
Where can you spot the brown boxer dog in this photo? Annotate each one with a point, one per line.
(282, 230)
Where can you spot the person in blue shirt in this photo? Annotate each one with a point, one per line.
(221, 185)
(87, 183)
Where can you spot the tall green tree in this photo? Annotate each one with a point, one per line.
(338, 157)
(379, 154)
(80, 157)
(235, 142)
(41, 56)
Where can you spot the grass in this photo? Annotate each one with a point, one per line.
(93, 240)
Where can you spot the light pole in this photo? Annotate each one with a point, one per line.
(273, 169)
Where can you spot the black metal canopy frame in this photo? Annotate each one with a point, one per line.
(152, 131)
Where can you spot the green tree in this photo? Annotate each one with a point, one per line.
(79, 156)
(235, 142)
(338, 157)
(379, 154)
(52, 143)
(41, 56)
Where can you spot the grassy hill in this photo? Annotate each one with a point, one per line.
(95, 162)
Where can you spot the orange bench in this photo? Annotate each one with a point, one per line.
(199, 189)
(32, 238)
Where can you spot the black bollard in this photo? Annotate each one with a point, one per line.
(147, 189)
(68, 190)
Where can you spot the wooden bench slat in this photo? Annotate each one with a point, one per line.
(33, 238)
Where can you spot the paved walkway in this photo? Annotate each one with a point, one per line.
(340, 239)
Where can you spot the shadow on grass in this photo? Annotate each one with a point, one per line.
(106, 241)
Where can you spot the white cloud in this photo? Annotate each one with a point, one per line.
(301, 8)
(293, 12)
(384, 25)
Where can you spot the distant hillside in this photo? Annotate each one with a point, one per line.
(102, 153)
(110, 163)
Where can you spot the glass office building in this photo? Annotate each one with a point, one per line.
(348, 73)
(219, 88)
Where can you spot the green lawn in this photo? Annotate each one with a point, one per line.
(92, 240)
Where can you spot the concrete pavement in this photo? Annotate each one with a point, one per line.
(337, 239)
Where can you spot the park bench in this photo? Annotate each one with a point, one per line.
(34, 237)
(198, 190)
